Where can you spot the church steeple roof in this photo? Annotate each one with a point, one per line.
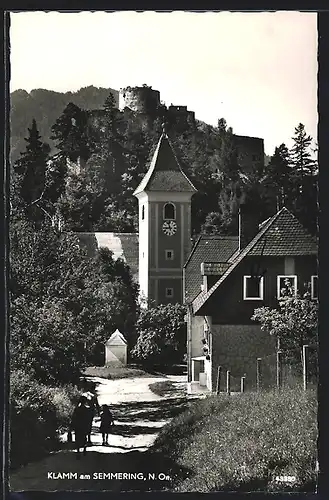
(165, 173)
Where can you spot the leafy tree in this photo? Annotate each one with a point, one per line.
(161, 335)
(63, 303)
(55, 178)
(293, 323)
(45, 333)
(124, 293)
(212, 224)
(76, 203)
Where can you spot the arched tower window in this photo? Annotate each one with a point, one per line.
(143, 212)
(169, 211)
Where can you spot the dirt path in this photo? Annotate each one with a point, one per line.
(139, 414)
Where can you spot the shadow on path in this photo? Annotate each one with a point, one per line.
(53, 472)
(149, 410)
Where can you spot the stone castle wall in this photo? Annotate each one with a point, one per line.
(251, 153)
(147, 100)
(139, 99)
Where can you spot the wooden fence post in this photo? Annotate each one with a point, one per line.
(228, 382)
(279, 369)
(243, 383)
(218, 380)
(259, 374)
(305, 366)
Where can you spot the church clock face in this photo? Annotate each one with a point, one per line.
(169, 227)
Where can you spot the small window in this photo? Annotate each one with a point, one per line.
(169, 293)
(283, 281)
(169, 211)
(314, 287)
(169, 255)
(253, 288)
(143, 212)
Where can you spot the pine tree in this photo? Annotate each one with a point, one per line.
(278, 177)
(70, 132)
(301, 153)
(227, 176)
(29, 175)
(110, 150)
(110, 115)
(304, 179)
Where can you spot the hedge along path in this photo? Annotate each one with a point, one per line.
(139, 414)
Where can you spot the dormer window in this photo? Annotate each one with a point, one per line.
(143, 212)
(169, 211)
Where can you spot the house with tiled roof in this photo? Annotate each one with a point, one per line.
(248, 272)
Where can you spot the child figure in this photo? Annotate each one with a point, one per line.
(106, 424)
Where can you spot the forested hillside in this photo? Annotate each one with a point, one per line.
(46, 106)
(102, 155)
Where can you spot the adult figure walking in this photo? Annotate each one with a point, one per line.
(92, 401)
(80, 424)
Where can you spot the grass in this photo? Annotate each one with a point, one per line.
(167, 388)
(245, 442)
(114, 372)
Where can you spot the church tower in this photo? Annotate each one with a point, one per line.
(164, 200)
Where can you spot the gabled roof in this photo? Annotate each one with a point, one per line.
(164, 173)
(116, 339)
(123, 245)
(281, 235)
(214, 248)
(286, 237)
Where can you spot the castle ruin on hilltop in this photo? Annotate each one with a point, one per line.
(146, 100)
(145, 104)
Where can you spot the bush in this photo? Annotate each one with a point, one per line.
(37, 415)
(161, 335)
(167, 388)
(243, 442)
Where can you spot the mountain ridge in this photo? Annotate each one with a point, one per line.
(45, 106)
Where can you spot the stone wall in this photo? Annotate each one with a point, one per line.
(250, 153)
(236, 348)
(139, 99)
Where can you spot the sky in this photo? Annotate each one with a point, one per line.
(256, 70)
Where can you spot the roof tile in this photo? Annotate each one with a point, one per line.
(164, 173)
(281, 235)
(214, 248)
